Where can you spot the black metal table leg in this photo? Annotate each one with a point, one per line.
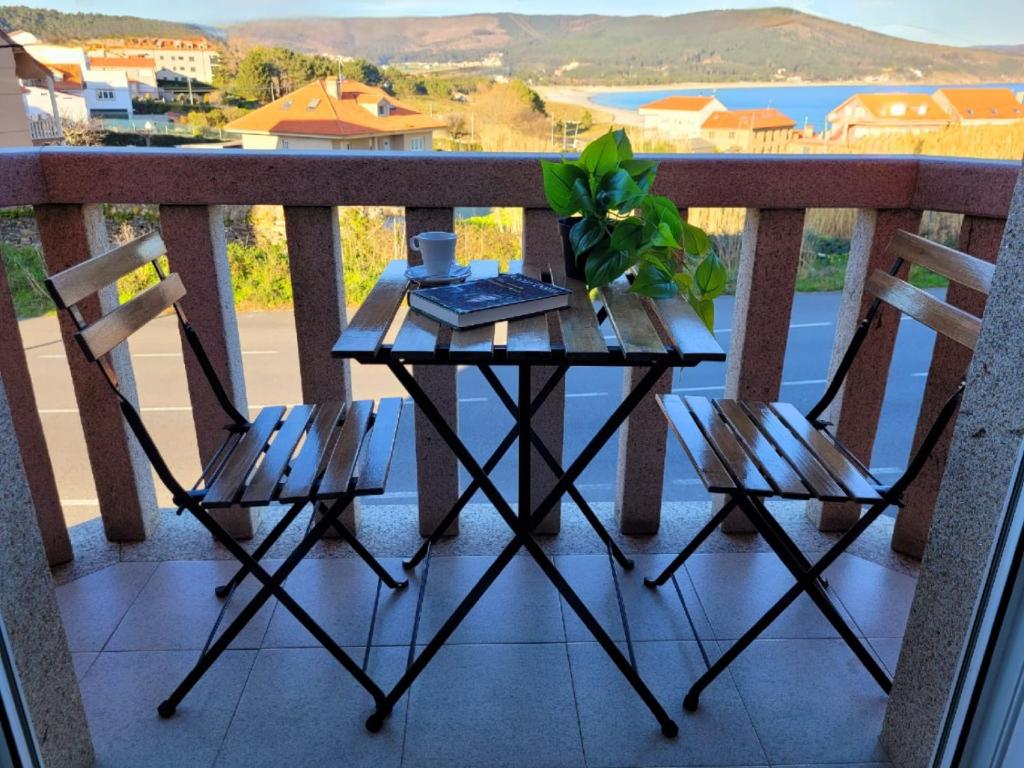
(522, 527)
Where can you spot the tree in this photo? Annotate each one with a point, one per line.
(83, 133)
(255, 77)
(362, 71)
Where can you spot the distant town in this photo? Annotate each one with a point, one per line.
(171, 89)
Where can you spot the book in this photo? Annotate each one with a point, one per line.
(478, 302)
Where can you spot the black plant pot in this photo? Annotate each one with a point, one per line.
(574, 268)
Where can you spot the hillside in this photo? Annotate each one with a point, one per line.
(708, 46)
(54, 26)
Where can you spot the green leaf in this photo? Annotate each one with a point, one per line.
(585, 234)
(623, 148)
(601, 156)
(652, 281)
(627, 235)
(582, 199)
(620, 192)
(705, 309)
(641, 171)
(559, 179)
(662, 210)
(604, 265)
(684, 280)
(663, 236)
(695, 241)
(710, 277)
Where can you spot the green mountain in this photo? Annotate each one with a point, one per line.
(763, 44)
(57, 27)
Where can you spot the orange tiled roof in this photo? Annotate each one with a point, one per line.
(983, 103)
(121, 62)
(749, 119)
(680, 103)
(907, 107)
(313, 111)
(66, 77)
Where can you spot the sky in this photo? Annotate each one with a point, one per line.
(953, 22)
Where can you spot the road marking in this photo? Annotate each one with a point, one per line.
(791, 325)
(586, 394)
(472, 399)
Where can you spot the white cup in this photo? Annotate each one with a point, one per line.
(437, 249)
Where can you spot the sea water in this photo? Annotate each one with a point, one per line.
(805, 104)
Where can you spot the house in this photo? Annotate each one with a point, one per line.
(17, 127)
(82, 92)
(336, 114)
(748, 130)
(679, 117)
(193, 58)
(980, 106)
(873, 114)
(139, 70)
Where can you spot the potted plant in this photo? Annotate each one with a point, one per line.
(612, 223)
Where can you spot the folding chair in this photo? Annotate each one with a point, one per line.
(345, 451)
(751, 451)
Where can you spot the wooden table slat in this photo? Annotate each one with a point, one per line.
(367, 328)
(709, 467)
(417, 338)
(637, 336)
(581, 333)
(732, 451)
(476, 343)
(225, 489)
(528, 336)
(689, 335)
(261, 487)
(306, 465)
(776, 469)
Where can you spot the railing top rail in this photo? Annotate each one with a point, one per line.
(441, 179)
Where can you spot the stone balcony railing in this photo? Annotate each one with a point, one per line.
(67, 188)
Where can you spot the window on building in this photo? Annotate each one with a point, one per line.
(417, 143)
(732, 134)
(104, 95)
(284, 144)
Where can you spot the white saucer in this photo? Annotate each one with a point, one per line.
(419, 275)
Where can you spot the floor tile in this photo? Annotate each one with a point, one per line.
(300, 707)
(492, 706)
(878, 598)
(652, 614)
(520, 607)
(339, 593)
(811, 701)
(888, 650)
(121, 693)
(82, 662)
(91, 607)
(737, 588)
(618, 729)
(177, 608)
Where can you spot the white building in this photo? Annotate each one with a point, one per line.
(679, 117)
(181, 59)
(140, 71)
(81, 91)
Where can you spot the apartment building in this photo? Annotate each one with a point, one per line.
(679, 117)
(176, 59)
(757, 131)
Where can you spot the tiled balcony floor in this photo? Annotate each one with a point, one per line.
(521, 683)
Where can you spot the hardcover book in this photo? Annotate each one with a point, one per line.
(477, 302)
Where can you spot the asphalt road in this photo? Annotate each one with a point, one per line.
(270, 360)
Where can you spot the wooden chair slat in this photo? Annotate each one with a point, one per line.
(730, 450)
(581, 333)
(260, 490)
(378, 448)
(637, 336)
(806, 464)
(475, 343)
(417, 337)
(528, 336)
(959, 267)
(709, 466)
(92, 275)
(306, 465)
(369, 325)
(689, 335)
(775, 469)
(338, 474)
(223, 492)
(849, 476)
(114, 327)
(952, 322)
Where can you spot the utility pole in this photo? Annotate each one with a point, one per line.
(191, 98)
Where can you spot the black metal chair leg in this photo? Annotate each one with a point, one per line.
(691, 547)
(225, 589)
(692, 698)
(271, 588)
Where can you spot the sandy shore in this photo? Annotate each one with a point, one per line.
(581, 96)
